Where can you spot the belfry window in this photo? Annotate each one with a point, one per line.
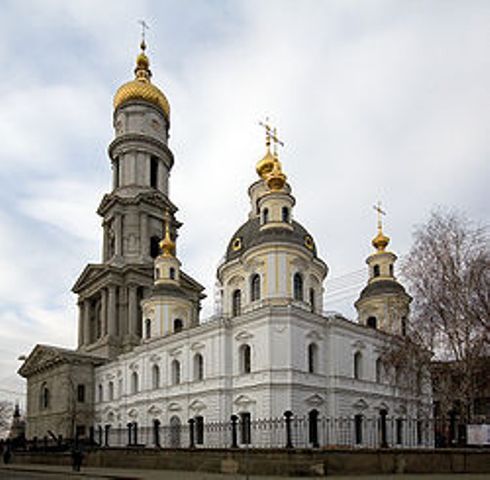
(265, 215)
(391, 269)
(115, 167)
(298, 286)
(178, 325)
(312, 300)
(236, 303)
(285, 214)
(255, 287)
(372, 322)
(148, 328)
(172, 273)
(154, 172)
(376, 271)
(154, 246)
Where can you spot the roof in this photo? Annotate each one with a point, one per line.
(382, 287)
(251, 236)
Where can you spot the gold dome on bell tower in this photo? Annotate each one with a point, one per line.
(380, 241)
(141, 87)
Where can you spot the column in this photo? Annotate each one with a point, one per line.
(112, 312)
(103, 312)
(119, 234)
(81, 319)
(86, 322)
(132, 310)
(144, 244)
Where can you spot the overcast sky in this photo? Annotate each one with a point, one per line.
(375, 100)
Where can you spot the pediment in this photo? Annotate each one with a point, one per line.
(315, 400)
(174, 407)
(361, 405)
(358, 345)
(154, 410)
(243, 400)
(197, 346)
(40, 358)
(155, 358)
(175, 351)
(243, 336)
(90, 273)
(313, 335)
(197, 406)
(133, 413)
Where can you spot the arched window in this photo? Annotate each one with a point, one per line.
(115, 167)
(357, 365)
(358, 428)
(178, 325)
(154, 172)
(379, 370)
(155, 377)
(255, 287)
(101, 393)
(171, 273)
(404, 326)
(312, 358)
(111, 390)
(372, 322)
(376, 271)
(157, 273)
(285, 214)
(265, 215)
(313, 428)
(44, 398)
(245, 359)
(198, 367)
(236, 305)
(148, 328)
(298, 286)
(199, 426)
(154, 246)
(134, 383)
(175, 371)
(312, 300)
(391, 269)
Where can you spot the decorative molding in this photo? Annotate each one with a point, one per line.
(197, 406)
(358, 345)
(175, 351)
(155, 358)
(197, 346)
(313, 335)
(133, 413)
(243, 400)
(134, 366)
(243, 336)
(154, 410)
(361, 405)
(174, 407)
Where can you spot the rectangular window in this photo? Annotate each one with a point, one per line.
(154, 172)
(81, 393)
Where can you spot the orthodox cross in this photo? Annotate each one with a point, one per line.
(271, 134)
(144, 27)
(380, 212)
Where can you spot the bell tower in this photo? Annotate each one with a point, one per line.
(110, 293)
(383, 304)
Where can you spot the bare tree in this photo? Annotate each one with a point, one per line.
(447, 272)
(6, 410)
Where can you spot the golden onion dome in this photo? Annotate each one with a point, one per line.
(276, 179)
(264, 167)
(380, 241)
(141, 87)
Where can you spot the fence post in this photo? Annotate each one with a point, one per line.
(130, 427)
(288, 416)
(191, 433)
(106, 435)
(156, 432)
(234, 437)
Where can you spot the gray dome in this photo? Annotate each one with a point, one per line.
(381, 287)
(250, 236)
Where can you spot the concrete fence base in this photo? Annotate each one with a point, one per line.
(278, 462)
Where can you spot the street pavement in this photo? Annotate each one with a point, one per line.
(48, 472)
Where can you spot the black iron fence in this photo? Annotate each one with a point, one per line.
(289, 431)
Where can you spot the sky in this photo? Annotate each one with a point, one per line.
(375, 101)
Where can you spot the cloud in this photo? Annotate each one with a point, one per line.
(374, 100)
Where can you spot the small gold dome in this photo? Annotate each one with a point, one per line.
(380, 241)
(141, 87)
(264, 167)
(276, 179)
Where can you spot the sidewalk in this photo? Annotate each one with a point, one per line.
(59, 473)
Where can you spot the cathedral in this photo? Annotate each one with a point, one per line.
(145, 358)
